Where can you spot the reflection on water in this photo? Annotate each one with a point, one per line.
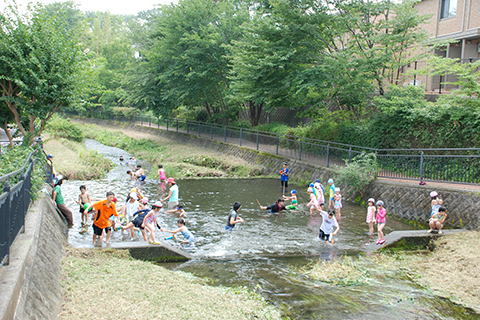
(263, 252)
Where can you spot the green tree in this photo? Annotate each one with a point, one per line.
(40, 65)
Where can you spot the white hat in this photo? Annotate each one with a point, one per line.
(433, 194)
(371, 200)
(337, 189)
(133, 195)
(158, 204)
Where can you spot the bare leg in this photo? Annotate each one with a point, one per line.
(370, 228)
(338, 213)
(144, 234)
(380, 231)
(439, 227)
(109, 232)
(94, 238)
(431, 223)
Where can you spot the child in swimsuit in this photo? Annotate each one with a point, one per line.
(150, 221)
(189, 238)
(83, 198)
(162, 176)
(313, 202)
(338, 203)
(371, 215)
(293, 196)
(436, 202)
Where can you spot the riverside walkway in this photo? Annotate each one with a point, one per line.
(312, 158)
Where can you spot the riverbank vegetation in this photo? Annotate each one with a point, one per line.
(178, 159)
(72, 159)
(449, 271)
(122, 287)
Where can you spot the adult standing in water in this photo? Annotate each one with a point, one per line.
(60, 202)
(172, 195)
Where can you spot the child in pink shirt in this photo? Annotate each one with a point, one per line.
(380, 221)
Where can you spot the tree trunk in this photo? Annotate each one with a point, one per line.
(9, 136)
(255, 112)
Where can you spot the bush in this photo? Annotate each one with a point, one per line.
(357, 174)
(64, 128)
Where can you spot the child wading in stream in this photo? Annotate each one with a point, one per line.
(381, 220)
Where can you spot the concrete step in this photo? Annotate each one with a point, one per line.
(409, 239)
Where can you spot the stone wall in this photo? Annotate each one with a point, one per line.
(413, 202)
(403, 200)
(30, 284)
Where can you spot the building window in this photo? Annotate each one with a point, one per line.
(449, 9)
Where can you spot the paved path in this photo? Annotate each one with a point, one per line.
(417, 236)
(314, 158)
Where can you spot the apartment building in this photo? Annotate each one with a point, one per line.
(452, 19)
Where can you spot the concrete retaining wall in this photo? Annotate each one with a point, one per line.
(402, 200)
(413, 202)
(30, 285)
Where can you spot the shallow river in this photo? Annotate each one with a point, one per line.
(264, 252)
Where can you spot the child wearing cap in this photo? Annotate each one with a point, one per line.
(436, 202)
(172, 194)
(179, 210)
(150, 221)
(338, 203)
(293, 196)
(371, 215)
(380, 221)
(320, 191)
(293, 206)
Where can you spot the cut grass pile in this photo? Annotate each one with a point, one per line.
(179, 160)
(109, 284)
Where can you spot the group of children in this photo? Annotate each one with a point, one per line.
(134, 215)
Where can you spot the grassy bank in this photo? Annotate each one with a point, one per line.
(102, 284)
(74, 161)
(450, 271)
(179, 160)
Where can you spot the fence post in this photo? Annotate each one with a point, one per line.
(300, 150)
(211, 132)
(177, 125)
(257, 140)
(158, 123)
(26, 195)
(241, 136)
(149, 121)
(141, 120)
(188, 127)
(349, 154)
(225, 134)
(198, 124)
(278, 138)
(7, 224)
(167, 124)
(133, 119)
(421, 166)
(328, 155)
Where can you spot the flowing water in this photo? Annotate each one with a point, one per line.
(265, 252)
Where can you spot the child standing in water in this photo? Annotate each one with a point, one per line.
(338, 203)
(371, 215)
(162, 176)
(150, 221)
(189, 238)
(284, 177)
(381, 220)
(83, 198)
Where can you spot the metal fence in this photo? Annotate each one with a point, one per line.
(14, 203)
(460, 165)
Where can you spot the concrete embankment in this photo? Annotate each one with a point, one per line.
(30, 284)
(408, 201)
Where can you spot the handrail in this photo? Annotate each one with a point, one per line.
(14, 173)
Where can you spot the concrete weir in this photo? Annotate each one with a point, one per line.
(145, 251)
(410, 239)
